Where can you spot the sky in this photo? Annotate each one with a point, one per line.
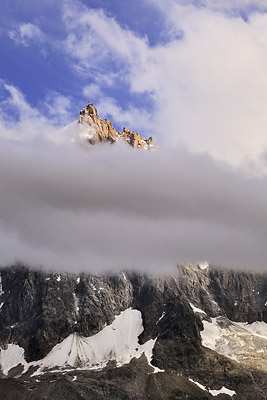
(192, 73)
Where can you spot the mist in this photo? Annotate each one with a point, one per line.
(109, 207)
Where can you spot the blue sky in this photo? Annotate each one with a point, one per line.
(38, 66)
(40, 43)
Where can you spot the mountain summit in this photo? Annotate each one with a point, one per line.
(97, 130)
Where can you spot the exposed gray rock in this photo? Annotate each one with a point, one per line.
(40, 309)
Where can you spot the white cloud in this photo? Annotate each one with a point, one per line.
(209, 87)
(134, 118)
(92, 32)
(93, 90)
(112, 207)
(26, 34)
(30, 123)
(235, 4)
(58, 107)
(218, 5)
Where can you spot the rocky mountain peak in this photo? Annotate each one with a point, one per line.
(91, 109)
(96, 130)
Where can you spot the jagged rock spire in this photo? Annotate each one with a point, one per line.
(98, 130)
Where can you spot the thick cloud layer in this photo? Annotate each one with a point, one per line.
(110, 207)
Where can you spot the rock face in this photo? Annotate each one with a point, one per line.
(189, 323)
(239, 296)
(97, 130)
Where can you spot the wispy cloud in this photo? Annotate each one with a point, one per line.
(30, 123)
(249, 5)
(215, 5)
(134, 117)
(27, 34)
(93, 32)
(59, 108)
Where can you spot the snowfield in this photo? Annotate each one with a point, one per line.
(118, 342)
(245, 343)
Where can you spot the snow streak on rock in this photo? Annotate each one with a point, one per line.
(223, 390)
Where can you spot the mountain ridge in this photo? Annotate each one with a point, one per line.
(41, 309)
(96, 130)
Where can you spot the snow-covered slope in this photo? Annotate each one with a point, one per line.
(238, 341)
(258, 328)
(118, 342)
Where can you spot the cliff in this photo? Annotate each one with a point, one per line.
(131, 336)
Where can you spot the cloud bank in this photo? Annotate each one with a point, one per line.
(111, 207)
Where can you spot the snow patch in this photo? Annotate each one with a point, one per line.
(211, 333)
(11, 357)
(160, 318)
(198, 384)
(203, 265)
(223, 390)
(76, 303)
(118, 342)
(59, 278)
(242, 342)
(78, 280)
(1, 286)
(196, 309)
(156, 369)
(258, 328)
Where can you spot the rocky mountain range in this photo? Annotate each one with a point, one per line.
(96, 130)
(198, 334)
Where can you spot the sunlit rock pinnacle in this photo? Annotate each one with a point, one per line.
(97, 130)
